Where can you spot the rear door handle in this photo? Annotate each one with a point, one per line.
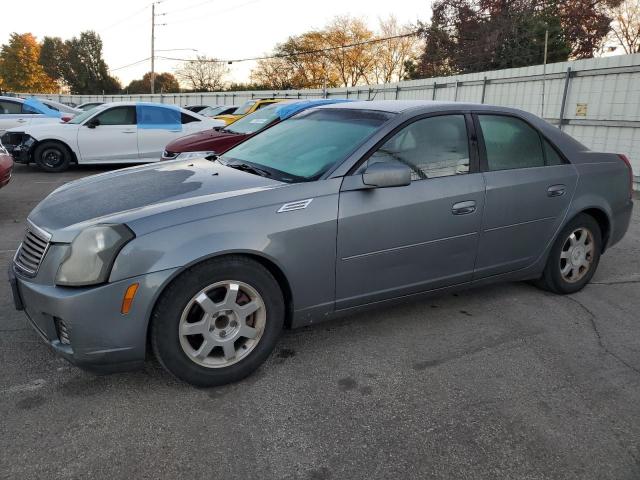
(464, 208)
(556, 190)
(128, 131)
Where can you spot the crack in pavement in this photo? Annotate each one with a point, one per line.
(594, 325)
(615, 282)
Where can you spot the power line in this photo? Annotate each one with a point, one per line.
(217, 12)
(138, 12)
(130, 64)
(297, 54)
(189, 7)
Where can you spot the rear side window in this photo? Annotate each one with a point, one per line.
(551, 155)
(184, 118)
(8, 107)
(510, 143)
(118, 116)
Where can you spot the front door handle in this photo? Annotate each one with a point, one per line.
(464, 208)
(556, 190)
(128, 131)
(21, 121)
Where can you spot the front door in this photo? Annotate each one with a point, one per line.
(109, 137)
(403, 240)
(529, 188)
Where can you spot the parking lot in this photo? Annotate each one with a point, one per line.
(505, 381)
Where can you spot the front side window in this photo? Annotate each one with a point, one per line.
(118, 116)
(510, 143)
(304, 147)
(8, 107)
(432, 147)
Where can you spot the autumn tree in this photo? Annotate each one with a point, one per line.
(203, 74)
(625, 28)
(19, 67)
(392, 57)
(164, 83)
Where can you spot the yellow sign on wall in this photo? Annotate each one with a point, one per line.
(581, 110)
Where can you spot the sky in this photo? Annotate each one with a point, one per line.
(216, 28)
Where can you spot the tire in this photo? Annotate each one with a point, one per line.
(52, 157)
(201, 319)
(565, 272)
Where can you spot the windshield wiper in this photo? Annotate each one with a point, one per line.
(245, 167)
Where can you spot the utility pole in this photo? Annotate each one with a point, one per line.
(153, 50)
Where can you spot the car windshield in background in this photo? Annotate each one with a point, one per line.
(243, 109)
(255, 121)
(81, 117)
(307, 145)
(211, 111)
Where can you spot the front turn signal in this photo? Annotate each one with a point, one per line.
(129, 295)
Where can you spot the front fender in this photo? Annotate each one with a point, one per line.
(302, 244)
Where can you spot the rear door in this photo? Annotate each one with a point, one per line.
(404, 240)
(113, 140)
(529, 188)
(12, 114)
(160, 125)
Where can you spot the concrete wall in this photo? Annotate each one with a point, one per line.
(597, 101)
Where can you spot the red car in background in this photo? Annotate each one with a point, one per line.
(6, 166)
(218, 141)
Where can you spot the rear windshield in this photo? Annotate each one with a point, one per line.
(306, 146)
(254, 121)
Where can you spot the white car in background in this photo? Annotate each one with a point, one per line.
(16, 112)
(119, 132)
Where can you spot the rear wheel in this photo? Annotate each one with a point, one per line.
(574, 257)
(218, 321)
(52, 157)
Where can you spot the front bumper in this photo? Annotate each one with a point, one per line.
(97, 337)
(19, 145)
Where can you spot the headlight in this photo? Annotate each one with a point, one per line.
(190, 155)
(91, 256)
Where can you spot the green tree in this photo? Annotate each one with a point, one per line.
(53, 57)
(164, 83)
(476, 35)
(85, 71)
(19, 67)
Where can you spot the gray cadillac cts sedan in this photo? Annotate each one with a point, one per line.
(205, 261)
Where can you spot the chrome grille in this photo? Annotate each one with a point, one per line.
(32, 250)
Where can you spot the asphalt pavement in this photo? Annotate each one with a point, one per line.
(501, 382)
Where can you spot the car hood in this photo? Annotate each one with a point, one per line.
(133, 193)
(203, 141)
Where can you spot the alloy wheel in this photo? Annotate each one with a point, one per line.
(577, 255)
(222, 324)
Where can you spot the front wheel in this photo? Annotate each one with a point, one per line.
(52, 157)
(574, 258)
(218, 321)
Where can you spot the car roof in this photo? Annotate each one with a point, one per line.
(134, 103)
(399, 106)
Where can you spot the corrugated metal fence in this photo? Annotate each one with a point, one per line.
(597, 101)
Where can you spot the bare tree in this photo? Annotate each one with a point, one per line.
(203, 74)
(392, 55)
(625, 27)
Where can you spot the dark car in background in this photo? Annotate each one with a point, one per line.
(219, 141)
(195, 108)
(215, 110)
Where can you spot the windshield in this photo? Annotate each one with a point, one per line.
(254, 121)
(242, 110)
(304, 147)
(211, 111)
(81, 117)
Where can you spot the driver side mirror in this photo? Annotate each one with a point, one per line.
(93, 123)
(387, 174)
